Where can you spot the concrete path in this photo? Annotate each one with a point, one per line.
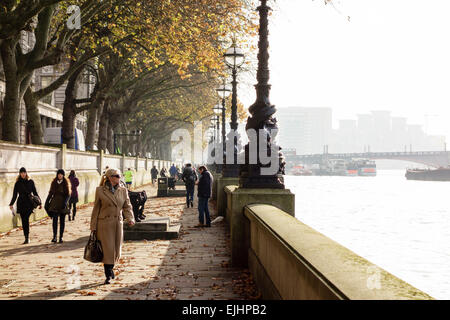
(195, 266)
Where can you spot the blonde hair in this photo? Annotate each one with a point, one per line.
(108, 173)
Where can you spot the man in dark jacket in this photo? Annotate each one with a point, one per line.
(189, 178)
(154, 173)
(204, 193)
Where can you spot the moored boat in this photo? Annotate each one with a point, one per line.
(367, 167)
(440, 174)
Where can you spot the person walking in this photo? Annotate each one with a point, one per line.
(112, 204)
(128, 178)
(173, 171)
(163, 172)
(23, 187)
(74, 182)
(58, 203)
(204, 193)
(189, 178)
(154, 172)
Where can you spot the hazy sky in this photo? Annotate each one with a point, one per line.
(391, 55)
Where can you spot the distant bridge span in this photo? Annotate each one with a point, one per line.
(431, 158)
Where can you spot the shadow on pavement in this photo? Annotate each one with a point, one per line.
(195, 266)
(49, 247)
(56, 294)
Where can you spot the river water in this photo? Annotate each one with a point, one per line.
(403, 226)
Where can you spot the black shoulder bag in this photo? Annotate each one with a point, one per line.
(35, 200)
(93, 251)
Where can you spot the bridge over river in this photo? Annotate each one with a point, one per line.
(431, 158)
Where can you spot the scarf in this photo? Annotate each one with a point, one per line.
(110, 187)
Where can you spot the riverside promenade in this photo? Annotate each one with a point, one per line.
(194, 266)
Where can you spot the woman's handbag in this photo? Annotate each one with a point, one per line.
(34, 199)
(47, 206)
(93, 251)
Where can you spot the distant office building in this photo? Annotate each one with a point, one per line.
(307, 130)
(379, 132)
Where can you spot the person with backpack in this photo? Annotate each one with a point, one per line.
(74, 182)
(23, 187)
(189, 178)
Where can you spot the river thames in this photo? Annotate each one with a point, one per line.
(403, 226)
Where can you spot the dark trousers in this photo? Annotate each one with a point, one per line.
(73, 208)
(203, 210)
(25, 217)
(190, 194)
(62, 224)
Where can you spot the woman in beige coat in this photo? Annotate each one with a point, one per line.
(112, 205)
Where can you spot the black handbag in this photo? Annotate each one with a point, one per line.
(93, 251)
(34, 199)
(47, 206)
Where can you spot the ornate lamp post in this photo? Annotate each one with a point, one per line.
(234, 58)
(261, 118)
(223, 91)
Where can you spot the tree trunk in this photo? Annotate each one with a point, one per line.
(91, 128)
(93, 115)
(110, 138)
(11, 104)
(103, 128)
(69, 111)
(33, 117)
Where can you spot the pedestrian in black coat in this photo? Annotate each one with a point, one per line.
(204, 193)
(74, 182)
(154, 172)
(58, 202)
(189, 177)
(23, 187)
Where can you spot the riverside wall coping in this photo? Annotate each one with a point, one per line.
(337, 267)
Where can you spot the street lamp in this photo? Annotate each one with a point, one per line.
(261, 118)
(234, 58)
(134, 133)
(223, 91)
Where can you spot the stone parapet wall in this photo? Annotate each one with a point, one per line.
(290, 260)
(42, 163)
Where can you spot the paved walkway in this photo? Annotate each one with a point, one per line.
(195, 266)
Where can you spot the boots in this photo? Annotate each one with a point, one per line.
(27, 240)
(54, 238)
(109, 273)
